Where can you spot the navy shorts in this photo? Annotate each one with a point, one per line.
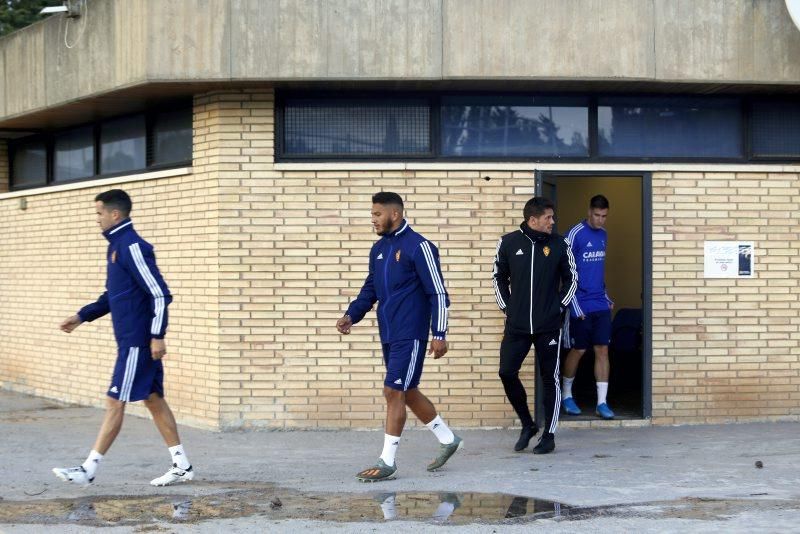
(404, 361)
(136, 375)
(592, 330)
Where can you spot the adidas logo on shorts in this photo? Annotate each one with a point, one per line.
(398, 381)
(114, 390)
(552, 342)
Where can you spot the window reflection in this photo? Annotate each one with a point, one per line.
(669, 127)
(514, 126)
(122, 145)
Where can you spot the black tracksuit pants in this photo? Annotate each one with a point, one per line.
(513, 350)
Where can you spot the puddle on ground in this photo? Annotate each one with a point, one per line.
(436, 507)
(274, 503)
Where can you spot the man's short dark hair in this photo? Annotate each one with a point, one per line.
(536, 207)
(598, 202)
(387, 197)
(116, 199)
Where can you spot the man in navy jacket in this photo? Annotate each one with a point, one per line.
(137, 298)
(405, 279)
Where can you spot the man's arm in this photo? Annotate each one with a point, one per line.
(363, 303)
(500, 277)
(95, 310)
(141, 263)
(88, 313)
(426, 263)
(569, 275)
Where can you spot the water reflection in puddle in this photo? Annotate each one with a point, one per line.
(433, 507)
(272, 503)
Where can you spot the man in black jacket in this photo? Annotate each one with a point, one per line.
(534, 280)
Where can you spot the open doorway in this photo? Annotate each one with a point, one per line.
(626, 281)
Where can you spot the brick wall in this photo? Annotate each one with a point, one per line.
(263, 259)
(725, 350)
(52, 262)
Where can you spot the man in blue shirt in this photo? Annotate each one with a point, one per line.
(137, 298)
(590, 309)
(406, 281)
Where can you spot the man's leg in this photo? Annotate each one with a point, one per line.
(601, 338)
(163, 418)
(112, 421)
(399, 357)
(109, 429)
(395, 411)
(112, 424)
(423, 408)
(548, 349)
(513, 350)
(570, 370)
(602, 368)
(149, 387)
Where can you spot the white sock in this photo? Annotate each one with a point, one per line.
(566, 389)
(179, 457)
(441, 431)
(602, 391)
(390, 444)
(444, 511)
(91, 463)
(388, 507)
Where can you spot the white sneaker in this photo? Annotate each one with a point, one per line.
(76, 475)
(175, 474)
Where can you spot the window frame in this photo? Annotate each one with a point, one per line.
(49, 138)
(435, 107)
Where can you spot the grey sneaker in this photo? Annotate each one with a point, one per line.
(445, 452)
(380, 471)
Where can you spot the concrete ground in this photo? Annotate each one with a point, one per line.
(650, 479)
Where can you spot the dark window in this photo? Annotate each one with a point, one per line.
(172, 137)
(775, 130)
(29, 162)
(353, 127)
(73, 154)
(122, 145)
(669, 127)
(515, 126)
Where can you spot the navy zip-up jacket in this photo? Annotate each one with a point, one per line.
(136, 294)
(406, 280)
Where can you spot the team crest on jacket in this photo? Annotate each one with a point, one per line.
(546, 250)
(397, 256)
(114, 257)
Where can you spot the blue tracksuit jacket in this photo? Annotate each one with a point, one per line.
(406, 280)
(589, 248)
(136, 294)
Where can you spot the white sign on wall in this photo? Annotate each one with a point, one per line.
(728, 259)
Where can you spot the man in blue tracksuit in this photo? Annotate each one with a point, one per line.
(590, 309)
(406, 281)
(137, 298)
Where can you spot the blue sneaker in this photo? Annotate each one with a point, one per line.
(604, 411)
(570, 406)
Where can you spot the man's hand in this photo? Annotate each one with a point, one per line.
(344, 324)
(71, 323)
(438, 348)
(158, 348)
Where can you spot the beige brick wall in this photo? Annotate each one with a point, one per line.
(293, 249)
(4, 169)
(725, 350)
(52, 263)
(263, 261)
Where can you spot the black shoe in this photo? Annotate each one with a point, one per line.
(546, 445)
(525, 436)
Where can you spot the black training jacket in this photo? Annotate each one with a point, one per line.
(534, 279)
